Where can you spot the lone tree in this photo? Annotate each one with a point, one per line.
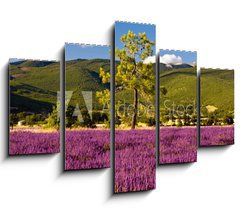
(132, 72)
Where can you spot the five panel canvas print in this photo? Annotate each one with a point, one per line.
(217, 107)
(135, 160)
(34, 108)
(178, 117)
(87, 99)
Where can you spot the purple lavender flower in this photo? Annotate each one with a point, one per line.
(216, 135)
(135, 160)
(32, 142)
(87, 149)
(178, 145)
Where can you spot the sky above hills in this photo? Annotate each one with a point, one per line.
(12, 60)
(82, 51)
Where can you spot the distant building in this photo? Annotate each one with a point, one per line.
(21, 123)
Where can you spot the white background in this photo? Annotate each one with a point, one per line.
(36, 185)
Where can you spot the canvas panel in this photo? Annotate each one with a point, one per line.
(217, 107)
(135, 158)
(178, 113)
(34, 107)
(87, 104)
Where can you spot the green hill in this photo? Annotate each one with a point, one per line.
(181, 85)
(217, 90)
(34, 85)
(83, 75)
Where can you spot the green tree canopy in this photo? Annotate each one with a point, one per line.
(132, 72)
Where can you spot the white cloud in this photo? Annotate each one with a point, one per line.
(170, 59)
(150, 59)
(193, 63)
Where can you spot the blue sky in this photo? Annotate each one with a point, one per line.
(11, 60)
(187, 57)
(81, 51)
(122, 28)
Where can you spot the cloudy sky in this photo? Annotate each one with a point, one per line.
(175, 57)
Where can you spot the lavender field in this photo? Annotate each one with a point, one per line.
(87, 149)
(216, 135)
(178, 145)
(24, 142)
(135, 155)
(135, 160)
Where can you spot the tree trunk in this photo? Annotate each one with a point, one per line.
(135, 103)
